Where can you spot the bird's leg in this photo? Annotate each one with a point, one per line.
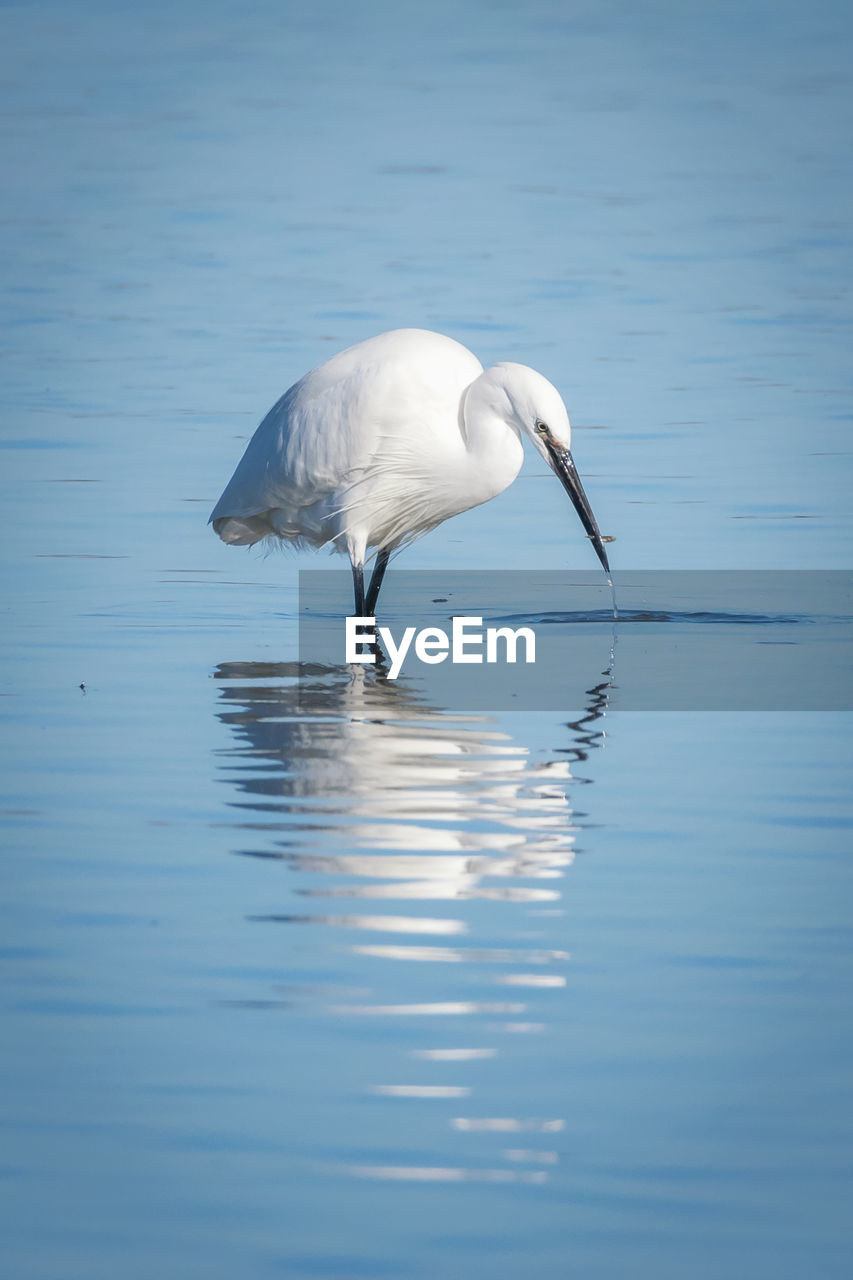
(358, 584)
(376, 577)
(366, 611)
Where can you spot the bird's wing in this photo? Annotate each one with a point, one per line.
(313, 442)
(343, 417)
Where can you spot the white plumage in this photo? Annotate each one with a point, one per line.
(385, 441)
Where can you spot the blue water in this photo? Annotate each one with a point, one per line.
(351, 983)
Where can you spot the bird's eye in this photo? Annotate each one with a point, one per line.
(541, 428)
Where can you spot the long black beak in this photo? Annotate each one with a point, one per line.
(563, 464)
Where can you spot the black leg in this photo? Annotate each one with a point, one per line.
(376, 577)
(358, 584)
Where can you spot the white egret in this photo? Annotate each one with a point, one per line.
(385, 441)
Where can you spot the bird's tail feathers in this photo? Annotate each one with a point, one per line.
(242, 531)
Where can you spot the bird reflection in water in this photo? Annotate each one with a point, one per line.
(369, 792)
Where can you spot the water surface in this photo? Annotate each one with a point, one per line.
(310, 975)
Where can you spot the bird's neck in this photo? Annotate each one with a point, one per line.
(493, 447)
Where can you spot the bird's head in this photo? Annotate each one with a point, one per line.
(532, 405)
